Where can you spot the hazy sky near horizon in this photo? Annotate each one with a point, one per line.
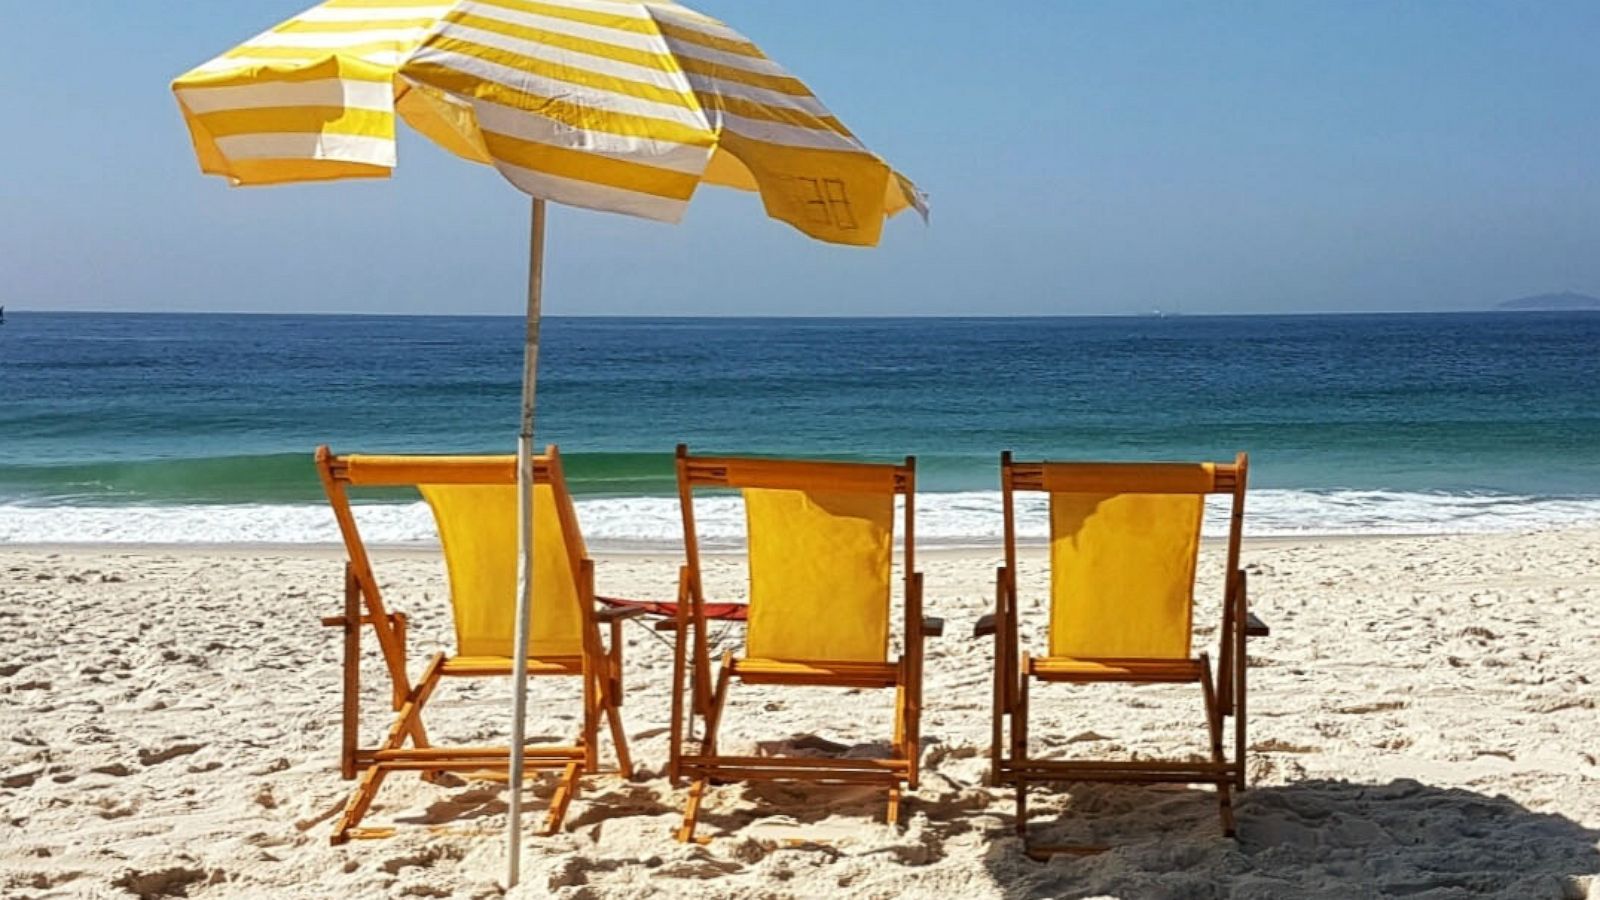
(1083, 158)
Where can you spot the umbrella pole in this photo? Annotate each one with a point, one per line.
(519, 701)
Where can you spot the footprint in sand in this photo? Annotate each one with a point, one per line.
(423, 858)
(90, 733)
(41, 881)
(157, 757)
(1362, 709)
(264, 798)
(1274, 745)
(113, 808)
(172, 882)
(21, 779)
(702, 867)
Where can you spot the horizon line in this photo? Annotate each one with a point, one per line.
(791, 317)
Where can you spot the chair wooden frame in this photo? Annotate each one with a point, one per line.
(709, 692)
(599, 668)
(1225, 693)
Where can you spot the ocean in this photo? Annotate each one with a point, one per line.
(200, 428)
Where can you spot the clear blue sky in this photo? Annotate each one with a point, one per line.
(1105, 157)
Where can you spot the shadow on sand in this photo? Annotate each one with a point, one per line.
(1313, 839)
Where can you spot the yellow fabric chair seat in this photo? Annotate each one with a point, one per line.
(831, 674)
(1067, 668)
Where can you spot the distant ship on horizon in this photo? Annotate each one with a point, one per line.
(1566, 301)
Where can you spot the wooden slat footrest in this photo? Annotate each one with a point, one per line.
(464, 759)
(799, 762)
(781, 768)
(1154, 772)
(1068, 765)
(459, 765)
(809, 776)
(469, 753)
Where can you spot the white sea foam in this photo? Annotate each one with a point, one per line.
(647, 523)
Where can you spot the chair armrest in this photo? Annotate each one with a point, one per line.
(1254, 627)
(985, 626)
(932, 626)
(617, 613)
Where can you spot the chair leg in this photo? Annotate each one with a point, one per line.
(677, 725)
(1214, 722)
(1019, 748)
(718, 698)
(691, 811)
(708, 747)
(619, 740)
(913, 735)
(565, 791)
(899, 742)
(419, 733)
(907, 742)
(593, 687)
(1230, 828)
(1241, 662)
(893, 813)
(997, 728)
(1239, 747)
(360, 801)
(1225, 660)
(406, 724)
(351, 706)
(614, 661)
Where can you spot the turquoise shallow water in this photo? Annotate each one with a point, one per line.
(200, 427)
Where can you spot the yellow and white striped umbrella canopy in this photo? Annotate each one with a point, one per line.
(617, 105)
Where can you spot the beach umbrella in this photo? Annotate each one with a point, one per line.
(624, 106)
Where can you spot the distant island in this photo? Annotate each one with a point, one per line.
(1549, 302)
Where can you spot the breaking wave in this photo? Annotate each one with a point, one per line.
(958, 519)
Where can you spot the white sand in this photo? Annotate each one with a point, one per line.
(1425, 725)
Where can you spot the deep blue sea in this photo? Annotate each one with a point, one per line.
(180, 428)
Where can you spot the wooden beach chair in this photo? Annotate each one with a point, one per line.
(1124, 540)
(474, 503)
(821, 538)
